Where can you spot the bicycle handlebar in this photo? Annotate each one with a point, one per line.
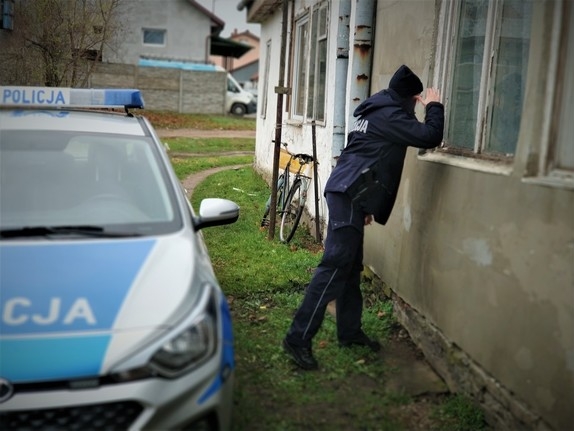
(302, 157)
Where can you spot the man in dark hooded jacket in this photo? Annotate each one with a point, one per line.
(363, 185)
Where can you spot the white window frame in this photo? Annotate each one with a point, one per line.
(163, 31)
(304, 108)
(556, 162)
(300, 67)
(266, 80)
(446, 51)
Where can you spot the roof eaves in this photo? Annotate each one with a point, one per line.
(217, 22)
(259, 11)
(227, 47)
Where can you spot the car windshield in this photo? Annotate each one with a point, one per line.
(55, 178)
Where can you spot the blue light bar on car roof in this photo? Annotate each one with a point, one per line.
(70, 97)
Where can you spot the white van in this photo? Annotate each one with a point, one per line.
(239, 101)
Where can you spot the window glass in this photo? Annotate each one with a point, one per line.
(321, 66)
(467, 69)
(311, 65)
(323, 21)
(231, 86)
(565, 141)
(488, 65)
(114, 182)
(153, 37)
(509, 75)
(7, 14)
(301, 67)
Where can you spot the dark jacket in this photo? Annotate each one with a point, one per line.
(385, 126)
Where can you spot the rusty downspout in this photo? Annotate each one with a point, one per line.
(281, 90)
(362, 58)
(341, 68)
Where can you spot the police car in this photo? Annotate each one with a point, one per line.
(111, 315)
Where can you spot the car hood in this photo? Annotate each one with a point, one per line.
(71, 309)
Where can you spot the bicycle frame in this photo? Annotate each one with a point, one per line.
(291, 195)
(296, 199)
(282, 191)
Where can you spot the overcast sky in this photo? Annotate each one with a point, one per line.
(226, 10)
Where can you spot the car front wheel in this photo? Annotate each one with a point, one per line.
(238, 109)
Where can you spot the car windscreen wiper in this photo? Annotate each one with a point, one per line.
(79, 230)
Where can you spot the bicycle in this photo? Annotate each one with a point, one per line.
(291, 198)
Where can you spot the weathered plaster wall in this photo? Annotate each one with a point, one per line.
(298, 135)
(484, 256)
(480, 258)
(186, 31)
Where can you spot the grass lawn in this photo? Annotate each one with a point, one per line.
(211, 145)
(174, 120)
(264, 282)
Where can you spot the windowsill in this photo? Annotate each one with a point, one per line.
(294, 122)
(497, 168)
(487, 166)
(560, 183)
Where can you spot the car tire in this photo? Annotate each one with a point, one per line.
(238, 109)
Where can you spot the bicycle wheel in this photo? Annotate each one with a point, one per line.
(292, 212)
(280, 189)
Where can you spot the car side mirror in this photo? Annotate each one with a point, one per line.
(216, 212)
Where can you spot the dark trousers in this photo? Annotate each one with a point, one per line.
(338, 276)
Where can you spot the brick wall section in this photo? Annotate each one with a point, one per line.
(165, 89)
(502, 409)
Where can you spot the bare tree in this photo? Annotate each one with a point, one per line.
(59, 42)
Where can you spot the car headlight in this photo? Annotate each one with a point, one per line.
(188, 349)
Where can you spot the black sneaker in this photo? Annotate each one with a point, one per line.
(303, 356)
(361, 340)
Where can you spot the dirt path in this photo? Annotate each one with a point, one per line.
(191, 182)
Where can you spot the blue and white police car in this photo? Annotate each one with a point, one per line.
(111, 315)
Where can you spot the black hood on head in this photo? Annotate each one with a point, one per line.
(405, 82)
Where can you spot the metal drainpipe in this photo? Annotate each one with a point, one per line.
(362, 59)
(341, 67)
